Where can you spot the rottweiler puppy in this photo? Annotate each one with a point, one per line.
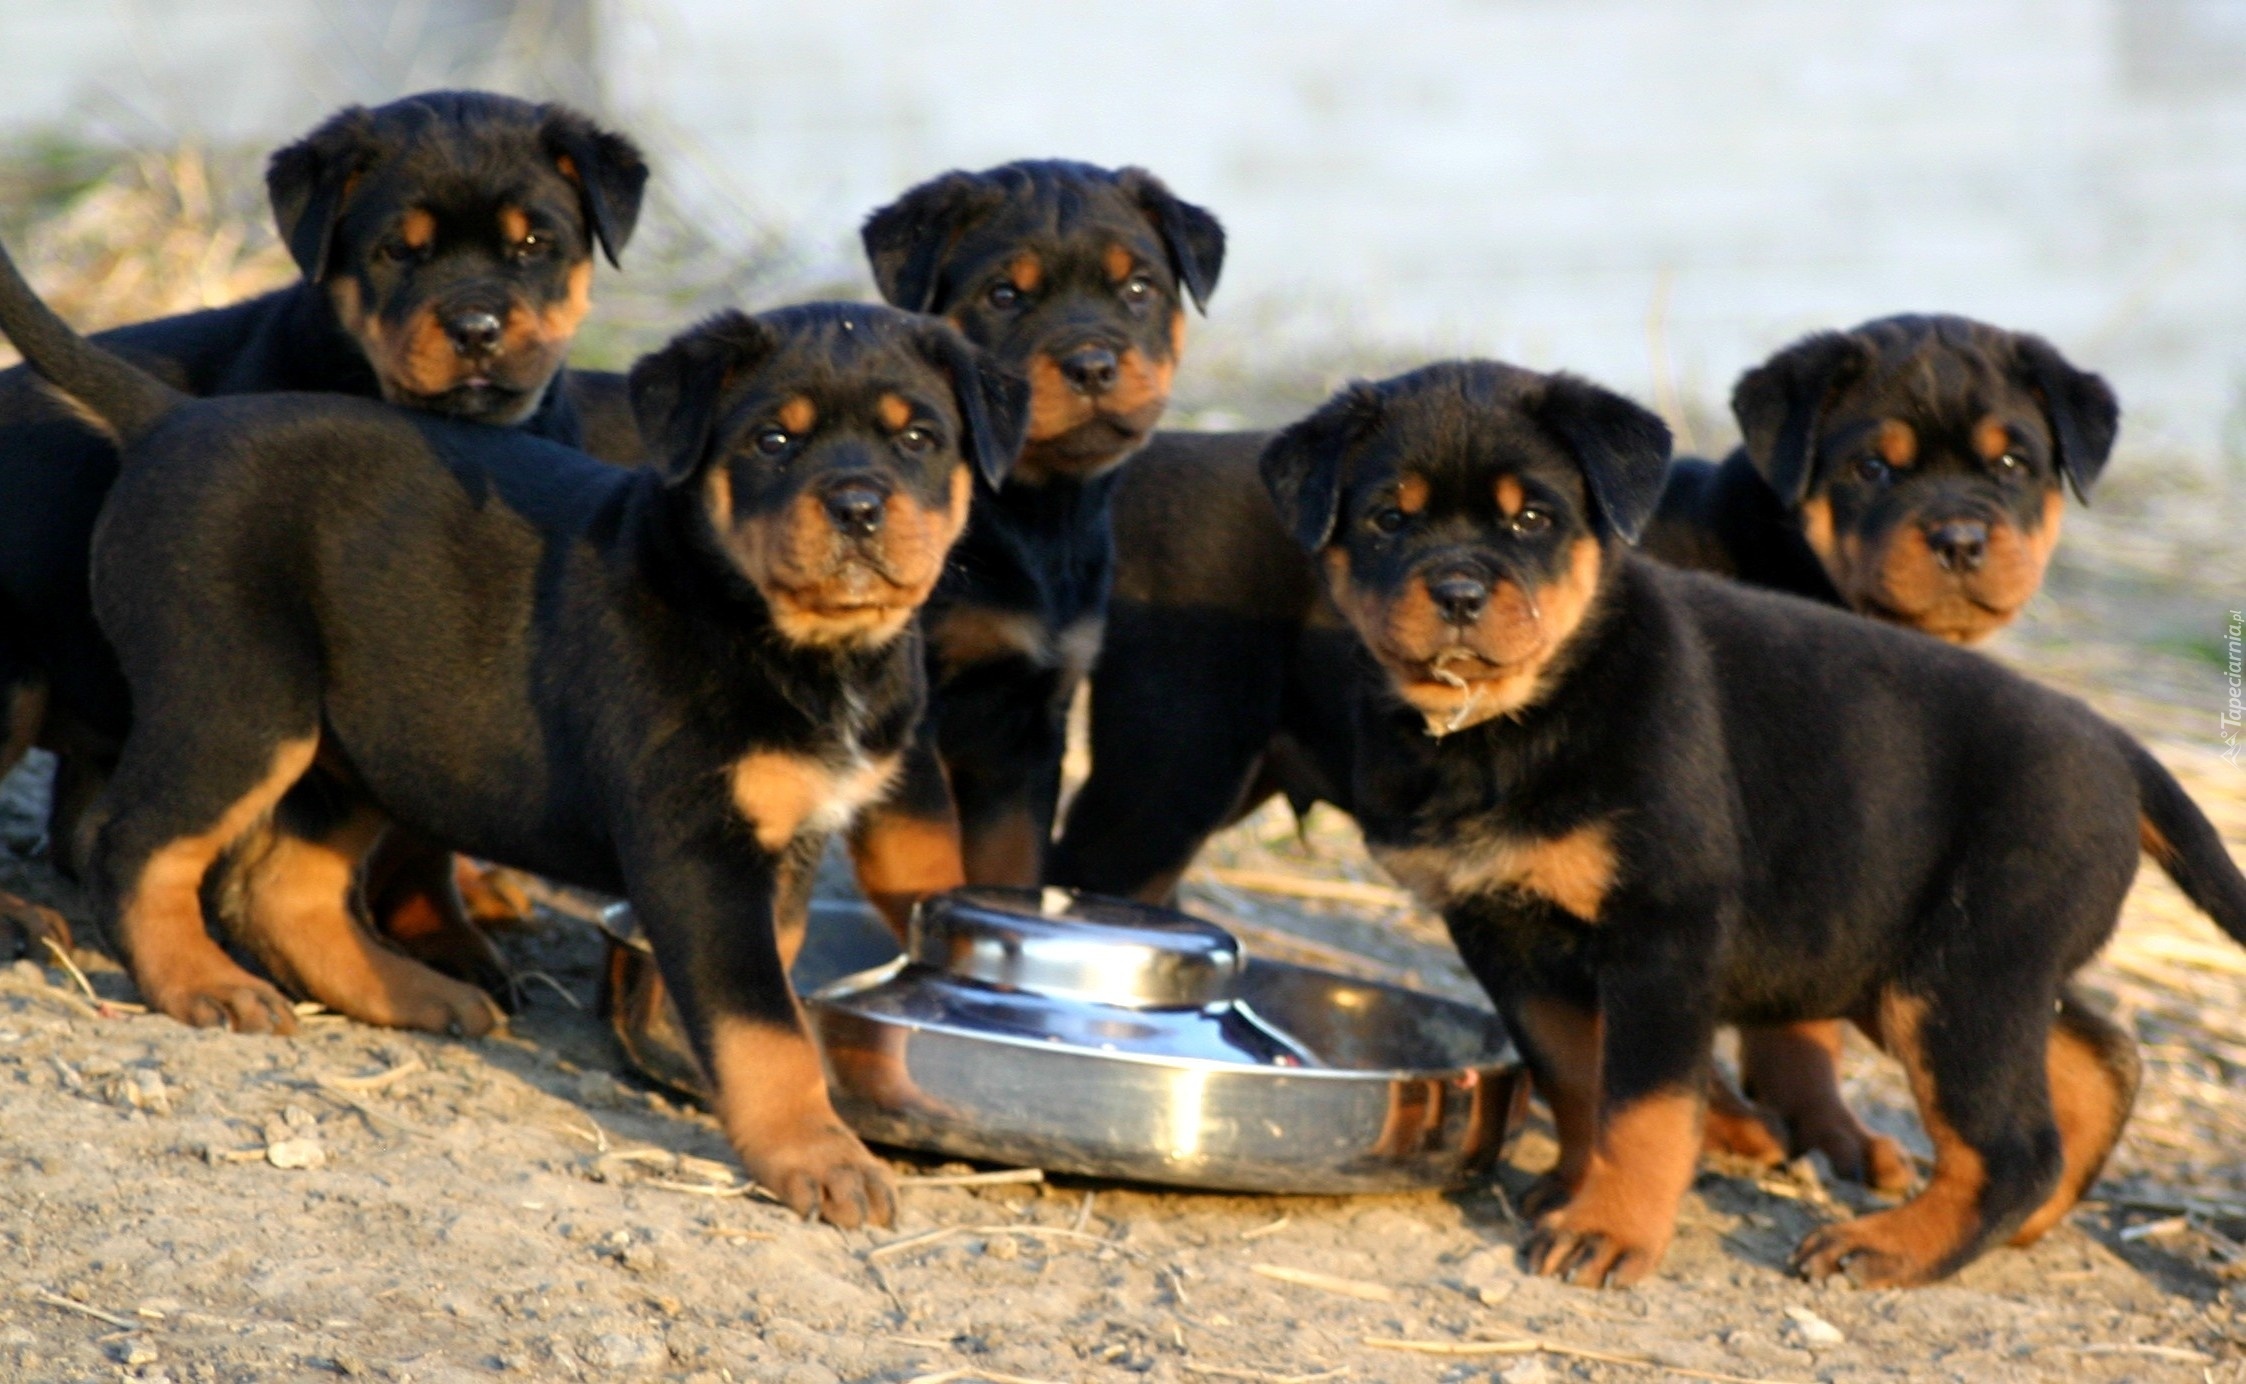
(1648, 802)
(668, 683)
(1078, 277)
(1913, 469)
(446, 242)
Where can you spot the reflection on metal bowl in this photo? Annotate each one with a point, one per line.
(1093, 1036)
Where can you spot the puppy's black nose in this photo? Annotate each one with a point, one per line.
(1459, 597)
(1089, 369)
(474, 332)
(1959, 545)
(855, 507)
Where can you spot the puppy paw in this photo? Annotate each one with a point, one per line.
(239, 1001)
(444, 1005)
(1859, 1155)
(1593, 1247)
(1735, 1131)
(1877, 1251)
(826, 1172)
(26, 928)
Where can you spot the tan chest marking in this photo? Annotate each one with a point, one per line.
(786, 795)
(1574, 872)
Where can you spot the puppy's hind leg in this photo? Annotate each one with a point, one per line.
(295, 887)
(2093, 1070)
(181, 798)
(1975, 1072)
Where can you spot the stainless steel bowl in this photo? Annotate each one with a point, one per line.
(1088, 1035)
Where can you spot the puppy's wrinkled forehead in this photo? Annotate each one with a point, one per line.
(838, 352)
(1941, 365)
(1066, 217)
(1458, 432)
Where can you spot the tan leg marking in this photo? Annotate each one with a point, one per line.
(1007, 850)
(300, 924)
(493, 894)
(1618, 1224)
(1795, 1070)
(161, 927)
(1733, 1128)
(1917, 1241)
(902, 859)
(772, 1101)
(2090, 1103)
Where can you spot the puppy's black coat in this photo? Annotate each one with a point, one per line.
(446, 242)
(1077, 277)
(668, 683)
(1648, 802)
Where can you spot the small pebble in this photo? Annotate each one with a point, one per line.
(296, 1153)
(1813, 1329)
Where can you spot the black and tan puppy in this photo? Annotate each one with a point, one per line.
(1077, 277)
(1913, 469)
(446, 242)
(1648, 802)
(667, 683)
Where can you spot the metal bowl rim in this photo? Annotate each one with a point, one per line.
(826, 999)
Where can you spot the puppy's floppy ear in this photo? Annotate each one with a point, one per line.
(676, 391)
(906, 240)
(2080, 407)
(610, 174)
(1192, 236)
(1780, 402)
(993, 401)
(1623, 448)
(309, 181)
(1302, 466)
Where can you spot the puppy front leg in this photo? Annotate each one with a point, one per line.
(1621, 1213)
(711, 915)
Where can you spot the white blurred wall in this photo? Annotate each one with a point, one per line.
(1529, 178)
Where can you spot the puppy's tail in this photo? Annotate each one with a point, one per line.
(2178, 836)
(108, 393)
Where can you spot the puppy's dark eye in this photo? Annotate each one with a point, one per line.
(916, 439)
(398, 250)
(1529, 521)
(1004, 296)
(772, 442)
(532, 246)
(1872, 469)
(2010, 464)
(1139, 291)
(1389, 520)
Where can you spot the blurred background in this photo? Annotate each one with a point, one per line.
(1653, 192)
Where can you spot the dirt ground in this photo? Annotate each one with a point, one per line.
(190, 1205)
